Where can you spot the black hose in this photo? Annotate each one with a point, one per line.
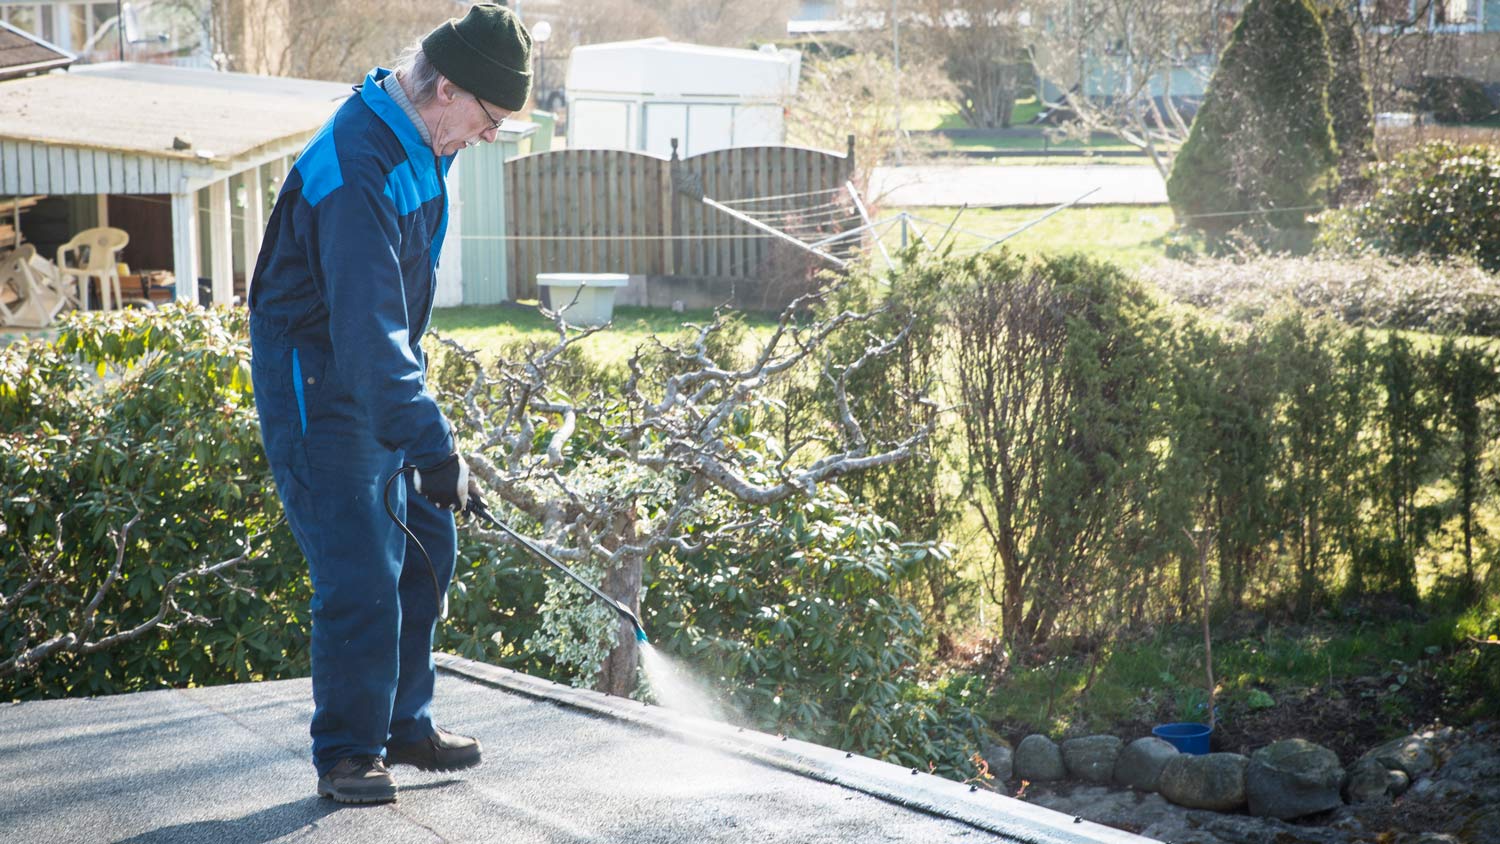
(478, 509)
(437, 591)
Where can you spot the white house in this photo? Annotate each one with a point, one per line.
(640, 95)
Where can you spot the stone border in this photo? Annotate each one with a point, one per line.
(1013, 819)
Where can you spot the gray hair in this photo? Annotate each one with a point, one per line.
(418, 76)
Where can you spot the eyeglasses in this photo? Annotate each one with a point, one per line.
(494, 124)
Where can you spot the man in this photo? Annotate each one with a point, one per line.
(340, 299)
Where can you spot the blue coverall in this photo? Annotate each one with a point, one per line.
(339, 300)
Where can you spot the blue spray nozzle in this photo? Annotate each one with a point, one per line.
(640, 636)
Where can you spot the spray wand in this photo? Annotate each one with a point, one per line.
(478, 509)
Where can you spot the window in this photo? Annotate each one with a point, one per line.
(1455, 12)
(1442, 15)
(1391, 12)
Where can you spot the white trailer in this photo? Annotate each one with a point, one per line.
(640, 95)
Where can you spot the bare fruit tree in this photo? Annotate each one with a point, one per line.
(1127, 68)
(667, 462)
(860, 93)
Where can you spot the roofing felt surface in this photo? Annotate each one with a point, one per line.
(137, 108)
(232, 764)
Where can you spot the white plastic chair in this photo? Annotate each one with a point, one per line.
(29, 295)
(94, 255)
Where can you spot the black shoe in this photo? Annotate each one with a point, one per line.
(441, 751)
(358, 779)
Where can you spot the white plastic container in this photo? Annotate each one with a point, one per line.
(589, 298)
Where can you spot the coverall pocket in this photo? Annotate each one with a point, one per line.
(298, 390)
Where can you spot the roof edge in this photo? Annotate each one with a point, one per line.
(37, 39)
(1013, 819)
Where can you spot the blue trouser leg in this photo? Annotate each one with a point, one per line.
(373, 606)
(355, 555)
(412, 716)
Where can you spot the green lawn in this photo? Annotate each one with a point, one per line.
(1129, 235)
(926, 115)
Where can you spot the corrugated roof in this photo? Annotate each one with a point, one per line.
(22, 53)
(139, 109)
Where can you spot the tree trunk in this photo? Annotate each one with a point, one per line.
(617, 675)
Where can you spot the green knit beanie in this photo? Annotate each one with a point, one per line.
(488, 54)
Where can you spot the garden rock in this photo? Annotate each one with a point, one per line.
(1291, 778)
(1459, 801)
(1369, 782)
(1241, 829)
(1477, 763)
(1141, 763)
(1215, 781)
(1413, 754)
(1397, 782)
(1039, 759)
(999, 758)
(1092, 758)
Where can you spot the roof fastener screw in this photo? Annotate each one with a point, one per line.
(914, 772)
(1078, 820)
(848, 755)
(973, 788)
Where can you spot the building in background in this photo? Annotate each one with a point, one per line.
(639, 95)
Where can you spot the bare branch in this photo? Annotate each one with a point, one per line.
(79, 642)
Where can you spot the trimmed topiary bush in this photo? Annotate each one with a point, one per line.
(1439, 199)
(1261, 149)
(1349, 102)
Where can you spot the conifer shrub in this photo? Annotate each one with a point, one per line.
(1261, 149)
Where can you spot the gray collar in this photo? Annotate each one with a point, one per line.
(398, 94)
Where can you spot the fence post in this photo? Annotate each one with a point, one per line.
(670, 214)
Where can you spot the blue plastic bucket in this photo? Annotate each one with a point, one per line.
(1187, 737)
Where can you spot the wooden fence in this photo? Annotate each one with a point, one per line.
(598, 210)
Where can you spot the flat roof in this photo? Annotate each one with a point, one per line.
(232, 764)
(139, 109)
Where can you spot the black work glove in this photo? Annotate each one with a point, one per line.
(448, 484)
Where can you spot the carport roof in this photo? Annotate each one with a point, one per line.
(231, 764)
